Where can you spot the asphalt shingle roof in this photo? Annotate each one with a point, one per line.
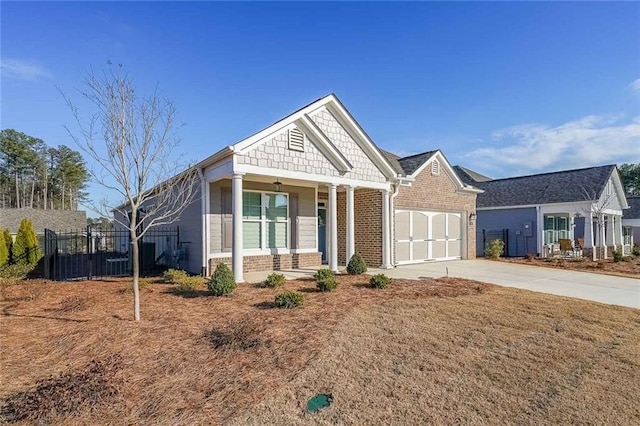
(633, 212)
(470, 177)
(557, 187)
(412, 163)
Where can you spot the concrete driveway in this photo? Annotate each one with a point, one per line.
(583, 285)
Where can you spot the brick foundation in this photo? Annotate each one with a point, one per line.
(272, 262)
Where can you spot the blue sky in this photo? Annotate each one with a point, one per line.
(503, 88)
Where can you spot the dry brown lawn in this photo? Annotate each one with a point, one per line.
(420, 351)
(629, 267)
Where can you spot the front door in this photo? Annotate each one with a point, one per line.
(322, 231)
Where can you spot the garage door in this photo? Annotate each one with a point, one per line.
(422, 236)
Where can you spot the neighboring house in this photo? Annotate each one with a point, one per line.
(53, 219)
(314, 186)
(631, 222)
(532, 213)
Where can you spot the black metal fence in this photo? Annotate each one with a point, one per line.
(496, 234)
(98, 252)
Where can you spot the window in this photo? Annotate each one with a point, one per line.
(556, 228)
(435, 167)
(626, 235)
(265, 219)
(296, 139)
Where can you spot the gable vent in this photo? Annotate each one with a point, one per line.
(435, 167)
(296, 140)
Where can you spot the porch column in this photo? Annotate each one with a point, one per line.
(236, 214)
(386, 230)
(620, 233)
(588, 234)
(351, 232)
(333, 227)
(611, 236)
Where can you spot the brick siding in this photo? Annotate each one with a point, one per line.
(272, 262)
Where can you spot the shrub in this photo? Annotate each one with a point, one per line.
(8, 242)
(4, 254)
(143, 284)
(274, 280)
(636, 250)
(356, 265)
(617, 255)
(494, 249)
(173, 276)
(380, 281)
(24, 249)
(289, 299)
(221, 282)
(325, 280)
(189, 284)
(15, 272)
(530, 257)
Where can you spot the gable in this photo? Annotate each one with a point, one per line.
(363, 167)
(274, 153)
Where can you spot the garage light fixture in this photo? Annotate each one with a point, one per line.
(472, 217)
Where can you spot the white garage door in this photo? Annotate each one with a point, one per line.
(422, 236)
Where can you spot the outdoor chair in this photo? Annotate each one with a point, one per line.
(566, 246)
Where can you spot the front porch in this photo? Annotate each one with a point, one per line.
(258, 223)
(571, 233)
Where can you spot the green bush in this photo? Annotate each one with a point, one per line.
(4, 254)
(173, 276)
(189, 284)
(274, 280)
(8, 242)
(289, 299)
(380, 281)
(222, 282)
(356, 265)
(617, 255)
(636, 250)
(325, 280)
(323, 273)
(25, 248)
(494, 249)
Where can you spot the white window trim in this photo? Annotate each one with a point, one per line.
(263, 225)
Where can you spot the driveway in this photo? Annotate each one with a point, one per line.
(583, 285)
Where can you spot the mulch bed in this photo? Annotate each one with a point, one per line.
(629, 267)
(193, 359)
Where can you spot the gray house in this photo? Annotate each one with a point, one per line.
(631, 222)
(531, 214)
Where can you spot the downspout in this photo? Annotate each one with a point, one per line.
(203, 214)
(392, 228)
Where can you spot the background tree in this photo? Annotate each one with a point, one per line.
(35, 175)
(131, 139)
(630, 177)
(24, 249)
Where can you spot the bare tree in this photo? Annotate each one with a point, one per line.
(132, 139)
(597, 211)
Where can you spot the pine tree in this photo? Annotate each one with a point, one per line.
(25, 248)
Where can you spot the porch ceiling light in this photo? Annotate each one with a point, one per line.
(278, 186)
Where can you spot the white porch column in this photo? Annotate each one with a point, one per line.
(611, 236)
(588, 234)
(236, 213)
(333, 227)
(351, 231)
(386, 230)
(620, 233)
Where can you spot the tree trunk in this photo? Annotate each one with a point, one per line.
(46, 189)
(136, 274)
(17, 192)
(62, 196)
(33, 189)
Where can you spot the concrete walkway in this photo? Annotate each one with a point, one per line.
(582, 285)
